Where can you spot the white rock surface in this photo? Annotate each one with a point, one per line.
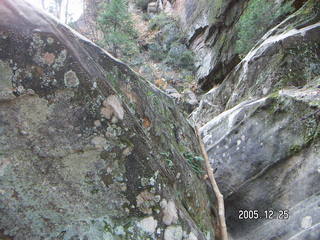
(170, 215)
(148, 225)
(173, 233)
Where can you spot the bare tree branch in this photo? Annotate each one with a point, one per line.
(221, 210)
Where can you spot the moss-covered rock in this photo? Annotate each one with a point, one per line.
(81, 141)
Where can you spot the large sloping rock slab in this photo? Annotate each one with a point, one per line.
(88, 149)
(267, 157)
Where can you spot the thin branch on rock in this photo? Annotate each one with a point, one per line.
(221, 210)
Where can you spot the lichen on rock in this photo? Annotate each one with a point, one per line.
(76, 160)
(71, 79)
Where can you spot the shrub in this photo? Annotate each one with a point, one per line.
(187, 60)
(255, 21)
(146, 17)
(180, 56)
(159, 21)
(156, 52)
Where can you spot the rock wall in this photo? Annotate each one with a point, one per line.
(286, 56)
(212, 33)
(267, 157)
(261, 130)
(88, 149)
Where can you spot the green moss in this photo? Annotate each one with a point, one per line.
(274, 104)
(168, 159)
(274, 95)
(312, 134)
(195, 162)
(94, 191)
(294, 149)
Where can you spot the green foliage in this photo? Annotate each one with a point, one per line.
(195, 162)
(255, 21)
(170, 46)
(159, 21)
(294, 149)
(180, 56)
(186, 60)
(117, 27)
(156, 52)
(146, 17)
(167, 158)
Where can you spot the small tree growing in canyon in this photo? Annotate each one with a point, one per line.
(117, 27)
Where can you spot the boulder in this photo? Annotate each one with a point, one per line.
(266, 154)
(260, 127)
(88, 149)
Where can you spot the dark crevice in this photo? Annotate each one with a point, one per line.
(211, 31)
(218, 74)
(197, 33)
(298, 3)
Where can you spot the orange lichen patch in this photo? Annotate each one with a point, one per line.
(48, 58)
(161, 83)
(146, 122)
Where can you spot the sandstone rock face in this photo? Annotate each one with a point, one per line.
(267, 157)
(261, 131)
(212, 30)
(287, 55)
(210, 27)
(88, 149)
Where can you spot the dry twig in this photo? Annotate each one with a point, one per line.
(221, 211)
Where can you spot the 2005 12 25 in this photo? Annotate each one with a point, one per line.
(264, 214)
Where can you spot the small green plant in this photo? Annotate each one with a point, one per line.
(168, 160)
(187, 60)
(159, 21)
(294, 149)
(255, 21)
(195, 162)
